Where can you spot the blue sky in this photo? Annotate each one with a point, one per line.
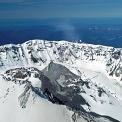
(16, 15)
(44, 9)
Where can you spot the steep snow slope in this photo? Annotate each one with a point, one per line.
(26, 96)
(84, 82)
(37, 109)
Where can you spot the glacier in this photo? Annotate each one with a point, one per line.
(60, 81)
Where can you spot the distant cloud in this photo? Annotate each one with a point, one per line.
(69, 31)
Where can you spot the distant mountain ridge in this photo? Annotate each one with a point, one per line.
(38, 52)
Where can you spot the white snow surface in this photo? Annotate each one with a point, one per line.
(37, 110)
(94, 62)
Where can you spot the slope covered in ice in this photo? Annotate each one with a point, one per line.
(60, 81)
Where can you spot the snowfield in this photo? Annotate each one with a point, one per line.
(60, 81)
(37, 110)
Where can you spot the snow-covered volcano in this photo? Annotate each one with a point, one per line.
(60, 81)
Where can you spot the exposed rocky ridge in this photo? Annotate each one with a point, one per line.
(40, 52)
